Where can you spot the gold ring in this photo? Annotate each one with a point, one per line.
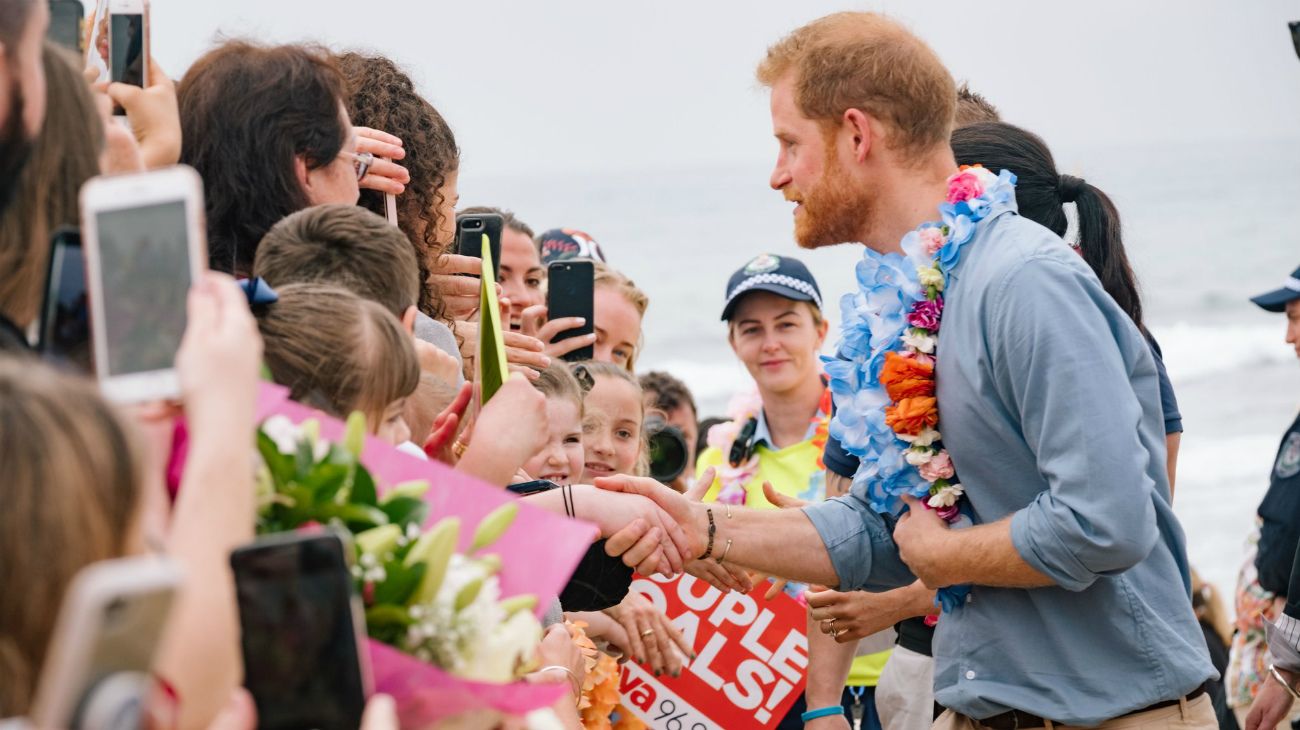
(458, 449)
(647, 632)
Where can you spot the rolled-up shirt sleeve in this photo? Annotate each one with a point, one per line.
(859, 543)
(1059, 367)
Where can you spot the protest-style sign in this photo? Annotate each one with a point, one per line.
(751, 663)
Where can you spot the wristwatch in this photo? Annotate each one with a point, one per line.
(1277, 675)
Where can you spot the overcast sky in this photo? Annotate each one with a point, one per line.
(599, 85)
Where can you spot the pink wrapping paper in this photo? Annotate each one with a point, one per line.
(426, 694)
(539, 553)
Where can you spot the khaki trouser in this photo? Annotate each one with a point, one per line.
(905, 694)
(1195, 715)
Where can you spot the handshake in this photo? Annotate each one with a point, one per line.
(655, 529)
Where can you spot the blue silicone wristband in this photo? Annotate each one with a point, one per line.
(822, 712)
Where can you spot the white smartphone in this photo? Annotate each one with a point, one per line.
(97, 670)
(145, 244)
(128, 44)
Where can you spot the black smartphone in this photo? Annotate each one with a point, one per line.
(571, 293)
(301, 630)
(470, 228)
(128, 44)
(64, 332)
(65, 23)
(536, 486)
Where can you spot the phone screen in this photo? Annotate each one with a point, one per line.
(65, 315)
(126, 51)
(301, 661)
(144, 256)
(571, 293)
(65, 23)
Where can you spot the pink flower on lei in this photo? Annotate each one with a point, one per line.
(932, 239)
(947, 514)
(939, 467)
(926, 314)
(964, 186)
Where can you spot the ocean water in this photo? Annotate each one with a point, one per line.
(1206, 226)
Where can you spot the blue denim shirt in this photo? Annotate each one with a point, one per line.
(1050, 407)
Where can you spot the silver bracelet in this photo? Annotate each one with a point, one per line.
(573, 678)
(1277, 675)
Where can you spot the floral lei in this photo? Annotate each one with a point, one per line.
(883, 380)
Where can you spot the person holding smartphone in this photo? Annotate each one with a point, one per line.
(79, 490)
(265, 128)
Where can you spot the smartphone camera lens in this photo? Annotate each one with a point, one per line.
(473, 224)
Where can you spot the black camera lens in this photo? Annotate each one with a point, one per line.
(668, 451)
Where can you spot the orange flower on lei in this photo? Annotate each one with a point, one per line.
(911, 416)
(906, 377)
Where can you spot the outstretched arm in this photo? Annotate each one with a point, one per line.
(842, 542)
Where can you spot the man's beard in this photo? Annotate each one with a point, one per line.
(15, 147)
(835, 211)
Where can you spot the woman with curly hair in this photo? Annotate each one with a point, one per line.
(382, 96)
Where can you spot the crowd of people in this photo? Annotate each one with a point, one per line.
(1064, 599)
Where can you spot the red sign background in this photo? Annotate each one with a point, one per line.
(751, 663)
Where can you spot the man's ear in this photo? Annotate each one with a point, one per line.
(408, 319)
(301, 172)
(859, 124)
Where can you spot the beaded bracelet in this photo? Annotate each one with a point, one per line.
(713, 531)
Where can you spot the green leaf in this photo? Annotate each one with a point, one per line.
(325, 481)
(304, 458)
(356, 516)
(400, 584)
(363, 488)
(280, 465)
(406, 510)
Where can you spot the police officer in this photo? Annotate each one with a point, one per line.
(1280, 510)
(1277, 561)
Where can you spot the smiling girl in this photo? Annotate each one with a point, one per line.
(561, 459)
(611, 426)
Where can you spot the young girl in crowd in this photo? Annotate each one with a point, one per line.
(611, 426)
(561, 459)
(613, 444)
(619, 309)
(340, 353)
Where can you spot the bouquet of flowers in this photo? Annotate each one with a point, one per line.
(451, 629)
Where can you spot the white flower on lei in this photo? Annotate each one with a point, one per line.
(920, 341)
(919, 456)
(926, 437)
(946, 497)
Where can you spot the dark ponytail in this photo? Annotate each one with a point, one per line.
(1102, 247)
(1040, 194)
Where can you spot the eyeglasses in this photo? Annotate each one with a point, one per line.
(361, 161)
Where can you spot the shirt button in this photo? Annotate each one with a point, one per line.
(970, 597)
(970, 675)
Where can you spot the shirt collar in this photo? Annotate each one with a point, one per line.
(762, 435)
(955, 272)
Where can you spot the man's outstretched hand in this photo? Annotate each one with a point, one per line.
(686, 514)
